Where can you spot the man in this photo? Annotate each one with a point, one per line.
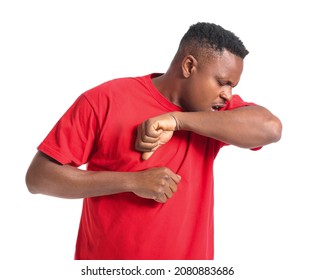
(149, 144)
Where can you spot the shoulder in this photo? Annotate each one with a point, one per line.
(115, 86)
(115, 93)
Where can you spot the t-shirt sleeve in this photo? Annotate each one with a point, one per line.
(237, 102)
(73, 138)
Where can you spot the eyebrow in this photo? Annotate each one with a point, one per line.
(229, 83)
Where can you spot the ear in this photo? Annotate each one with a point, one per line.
(189, 65)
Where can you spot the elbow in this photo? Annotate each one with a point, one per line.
(30, 181)
(274, 129)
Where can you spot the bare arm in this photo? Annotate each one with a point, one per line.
(246, 127)
(48, 177)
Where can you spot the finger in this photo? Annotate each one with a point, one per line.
(142, 134)
(150, 129)
(145, 134)
(145, 143)
(173, 180)
(148, 139)
(145, 147)
(146, 155)
(162, 198)
(173, 186)
(168, 192)
(175, 177)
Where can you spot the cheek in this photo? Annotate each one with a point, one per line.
(213, 86)
(200, 102)
(200, 95)
(209, 90)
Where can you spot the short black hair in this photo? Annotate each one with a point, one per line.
(210, 36)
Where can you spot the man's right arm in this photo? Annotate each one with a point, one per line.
(46, 176)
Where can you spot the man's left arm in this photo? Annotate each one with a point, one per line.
(245, 127)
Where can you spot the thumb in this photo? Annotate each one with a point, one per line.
(146, 155)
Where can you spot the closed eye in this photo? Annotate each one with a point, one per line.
(228, 83)
(220, 83)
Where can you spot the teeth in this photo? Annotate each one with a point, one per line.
(216, 108)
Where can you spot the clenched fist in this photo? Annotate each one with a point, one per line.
(153, 133)
(158, 183)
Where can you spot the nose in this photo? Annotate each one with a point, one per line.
(226, 95)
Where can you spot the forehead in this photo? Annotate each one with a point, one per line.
(226, 64)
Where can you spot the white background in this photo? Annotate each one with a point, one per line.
(52, 51)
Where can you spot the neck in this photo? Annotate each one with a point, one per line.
(167, 85)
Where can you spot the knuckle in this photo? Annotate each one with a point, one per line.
(165, 179)
(144, 138)
(149, 123)
(161, 188)
(164, 170)
(147, 126)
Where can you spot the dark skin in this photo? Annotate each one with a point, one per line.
(200, 88)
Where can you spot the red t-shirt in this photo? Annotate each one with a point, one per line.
(100, 129)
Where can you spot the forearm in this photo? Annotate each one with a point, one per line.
(50, 178)
(45, 176)
(246, 127)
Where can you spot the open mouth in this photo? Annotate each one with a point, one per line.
(217, 107)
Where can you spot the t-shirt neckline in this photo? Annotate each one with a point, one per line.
(158, 96)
